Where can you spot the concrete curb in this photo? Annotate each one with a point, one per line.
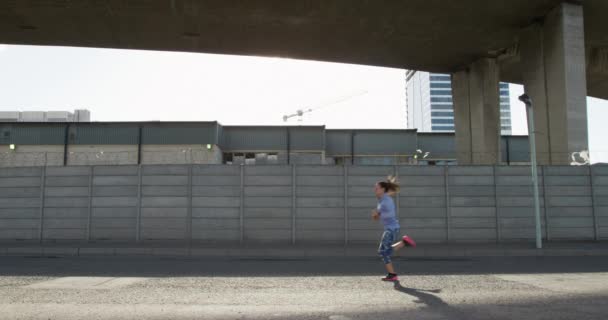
(478, 250)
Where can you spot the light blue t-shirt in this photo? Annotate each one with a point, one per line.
(386, 209)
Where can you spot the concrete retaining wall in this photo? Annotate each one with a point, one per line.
(31, 155)
(91, 155)
(296, 204)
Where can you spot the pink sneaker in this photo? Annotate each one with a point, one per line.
(391, 277)
(409, 242)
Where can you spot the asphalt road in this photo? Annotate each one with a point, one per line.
(315, 288)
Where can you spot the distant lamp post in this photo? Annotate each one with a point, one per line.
(12, 147)
(209, 146)
(532, 137)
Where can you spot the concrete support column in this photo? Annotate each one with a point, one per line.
(533, 73)
(477, 113)
(553, 61)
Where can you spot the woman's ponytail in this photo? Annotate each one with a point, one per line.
(390, 185)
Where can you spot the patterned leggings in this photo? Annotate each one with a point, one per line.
(385, 249)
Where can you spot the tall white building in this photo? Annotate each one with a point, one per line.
(430, 107)
(79, 115)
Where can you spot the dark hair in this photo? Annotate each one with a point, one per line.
(390, 185)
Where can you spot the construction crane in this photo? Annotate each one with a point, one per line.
(300, 113)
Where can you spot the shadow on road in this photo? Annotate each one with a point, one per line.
(433, 302)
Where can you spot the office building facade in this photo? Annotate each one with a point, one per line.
(430, 107)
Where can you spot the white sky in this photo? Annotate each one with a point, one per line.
(131, 85)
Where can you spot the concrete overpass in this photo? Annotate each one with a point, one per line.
(558, 49)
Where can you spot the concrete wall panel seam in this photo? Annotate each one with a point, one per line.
(189, 214)
(498, 231)
(546, 207)
(242, 205)
(448, 211)
(42, 197)
(293, 204)
(346, 219)
(139, 200)
(596, 228)
(90, 205)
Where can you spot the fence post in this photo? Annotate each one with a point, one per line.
(448, 213)
(293, 204)
(545, 203)
(596, 227)
(138, 219)
(241, 207)
(396, 174)
(498, 231)
(189, 209)
(90, 204)
(42, 196)
(345, 204)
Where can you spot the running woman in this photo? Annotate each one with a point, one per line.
(385, 211)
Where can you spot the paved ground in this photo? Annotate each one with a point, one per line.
(40, 287)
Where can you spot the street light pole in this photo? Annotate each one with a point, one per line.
(531, 134)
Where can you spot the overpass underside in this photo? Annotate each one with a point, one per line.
(550, 55)
(558, 49)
